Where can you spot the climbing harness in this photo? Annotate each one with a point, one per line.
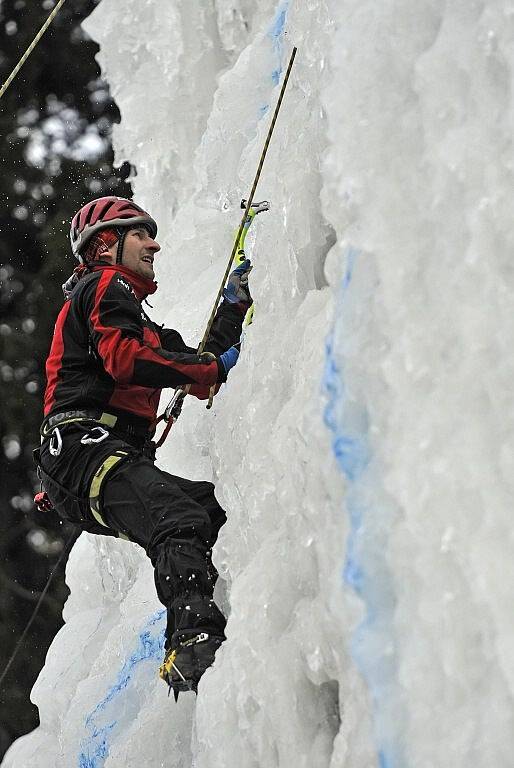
(95, 417)
(174, 407)
(95, 435)
(31, 47)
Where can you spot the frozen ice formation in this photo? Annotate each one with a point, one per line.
(363, 447)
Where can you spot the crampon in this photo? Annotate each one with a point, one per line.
(184, 663)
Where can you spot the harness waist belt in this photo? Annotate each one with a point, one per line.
(123, 423)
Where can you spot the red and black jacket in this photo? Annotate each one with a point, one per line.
(107, 354)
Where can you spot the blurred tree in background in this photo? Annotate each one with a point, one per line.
(55, 150)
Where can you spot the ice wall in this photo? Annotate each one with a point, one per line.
(364, 445)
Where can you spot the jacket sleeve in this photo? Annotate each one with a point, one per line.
(117, 333)
(172, 341)
(225, 332)
(227, 327)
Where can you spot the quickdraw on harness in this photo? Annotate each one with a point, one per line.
(174, 407)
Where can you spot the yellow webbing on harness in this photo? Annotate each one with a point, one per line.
(95, 488)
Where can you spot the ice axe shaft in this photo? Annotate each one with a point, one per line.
(248, 203)
(176, 402)
(174, 406)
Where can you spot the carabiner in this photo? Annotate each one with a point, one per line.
(88, 439)
(55, 446)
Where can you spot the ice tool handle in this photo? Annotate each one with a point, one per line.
(255, 209)
(240, 258)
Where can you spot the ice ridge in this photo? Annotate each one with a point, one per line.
(364, 567)
(101, 722)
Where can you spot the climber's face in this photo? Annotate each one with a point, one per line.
(139, 249)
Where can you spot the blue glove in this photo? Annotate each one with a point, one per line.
(237, 287)
(229, 358)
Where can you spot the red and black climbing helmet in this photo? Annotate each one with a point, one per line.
(103, 213)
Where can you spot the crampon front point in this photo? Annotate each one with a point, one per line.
(192, 662)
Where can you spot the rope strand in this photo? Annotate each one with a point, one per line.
(31, 47)
(180, 394)
(64, 552)
(248, 203)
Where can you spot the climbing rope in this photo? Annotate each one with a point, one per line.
(64, 552)
(248, 205)
(174, 407)
(31, 47)
(72, 538)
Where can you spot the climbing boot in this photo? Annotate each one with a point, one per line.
(190, 654)
(195, 631)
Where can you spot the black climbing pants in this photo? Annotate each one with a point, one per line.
(175, 520)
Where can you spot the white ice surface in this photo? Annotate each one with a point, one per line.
(364, 446)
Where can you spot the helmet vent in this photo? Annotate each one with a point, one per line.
(89, 215)
(104, 210)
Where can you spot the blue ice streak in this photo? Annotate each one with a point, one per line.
(102, 721)
(370, 514)
(277, 32)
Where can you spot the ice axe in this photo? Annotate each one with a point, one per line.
(174, 407)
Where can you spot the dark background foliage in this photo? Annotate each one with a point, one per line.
(55, 150)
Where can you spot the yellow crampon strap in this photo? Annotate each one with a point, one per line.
(97, 482)
(167, 665)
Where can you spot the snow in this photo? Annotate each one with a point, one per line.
(363, 447)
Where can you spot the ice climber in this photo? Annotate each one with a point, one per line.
(107, 365)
